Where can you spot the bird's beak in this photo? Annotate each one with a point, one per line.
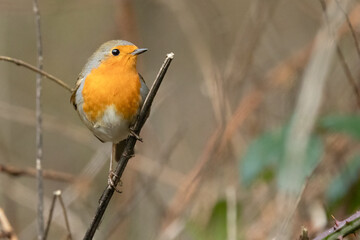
(139, 51)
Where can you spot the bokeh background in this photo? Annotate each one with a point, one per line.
(253, 134)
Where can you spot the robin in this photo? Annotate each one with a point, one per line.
(109, 93)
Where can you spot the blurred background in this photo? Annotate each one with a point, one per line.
(254, 132)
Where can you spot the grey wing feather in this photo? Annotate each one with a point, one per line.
(144, 90)
(73, 94)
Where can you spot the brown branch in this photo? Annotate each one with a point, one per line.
(128, 151)
(37, 70)
(31, 172)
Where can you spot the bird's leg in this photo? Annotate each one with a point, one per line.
(132, 133)
(111, 172)
(112, 157)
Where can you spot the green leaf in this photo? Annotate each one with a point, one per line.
(264, 152)
(215, 229)
(267, 153)
(349, 124)
(340, 186)
(313, 154)
(290, 180)
(217, 223)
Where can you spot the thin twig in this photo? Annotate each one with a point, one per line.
(37, 70)
(31, 172)
(39, 134)
(51, 211)
(129, 149)
(6, 230)
(65, 215)
(57, 195)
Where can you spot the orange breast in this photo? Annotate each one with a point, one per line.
(115, 82)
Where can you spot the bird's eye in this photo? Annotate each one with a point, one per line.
(115, 52)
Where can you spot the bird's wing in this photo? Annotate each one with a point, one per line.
(73, 94)
(144, 90)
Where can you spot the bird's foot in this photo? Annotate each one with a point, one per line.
(111, 182)
(132, 133)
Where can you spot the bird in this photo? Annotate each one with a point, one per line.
(109, 93)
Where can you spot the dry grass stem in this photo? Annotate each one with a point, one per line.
(57, 195)
(6, 230)
(39, 128)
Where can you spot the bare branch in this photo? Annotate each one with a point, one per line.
(37, 70)
(31, 172)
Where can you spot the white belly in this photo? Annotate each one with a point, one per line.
(110, 128)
